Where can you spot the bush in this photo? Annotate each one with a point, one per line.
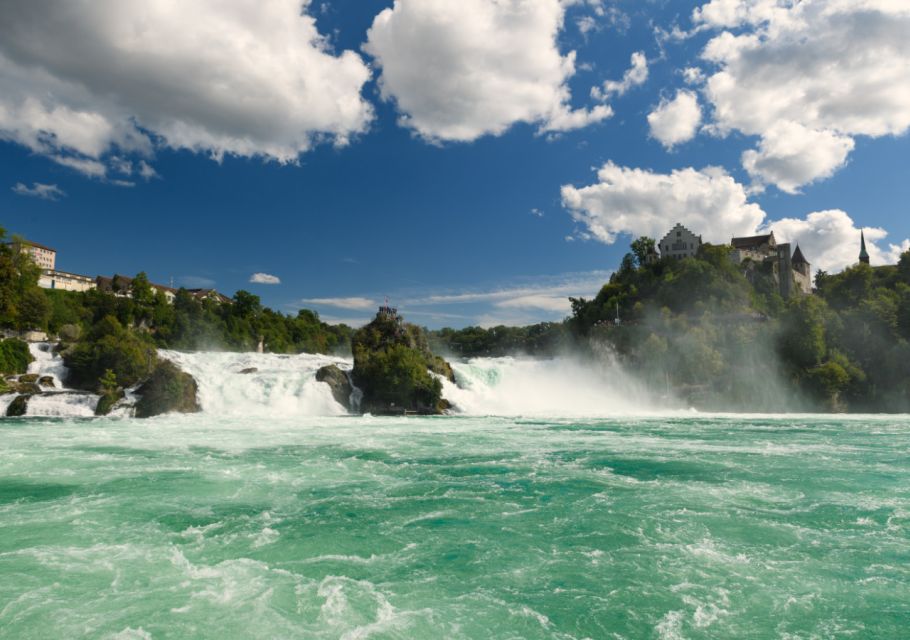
(108, 346)
(14, 356)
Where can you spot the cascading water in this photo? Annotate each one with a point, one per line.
(54, 400)
(258, 384)
(556, 387)
(271, 385)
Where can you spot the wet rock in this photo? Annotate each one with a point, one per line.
(339, 384)
(46, 381)
(25, 388)
(167, 390)
(107, 401)
(18, 407)
(249, 370)
(29, 378)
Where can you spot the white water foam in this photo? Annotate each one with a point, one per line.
(46, 362)
(280, 386)
(555, 387)
(63, 404)
(55, 401)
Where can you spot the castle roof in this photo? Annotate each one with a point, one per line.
(798, 257)
(752, 242)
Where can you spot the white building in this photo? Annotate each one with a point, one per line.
(64, 281)
(679, 243)
(44, 257)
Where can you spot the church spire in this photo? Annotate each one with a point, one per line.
(863, 254)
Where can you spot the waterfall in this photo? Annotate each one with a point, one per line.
(553, 387)
(271, 385)
(54, 400)
(260, 384)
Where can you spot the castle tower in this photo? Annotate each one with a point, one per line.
(785, 270)
(863, 254)
(800, 263)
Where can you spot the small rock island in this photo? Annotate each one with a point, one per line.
(394, 367)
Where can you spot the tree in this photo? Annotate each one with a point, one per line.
(34, 310)
(642, 249)
(141, 290)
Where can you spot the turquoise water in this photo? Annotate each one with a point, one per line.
(677, 527)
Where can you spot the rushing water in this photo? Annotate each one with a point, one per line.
(281, 524)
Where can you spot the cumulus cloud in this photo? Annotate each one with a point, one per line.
(82, 81)
(635, 75)
(790, 156)
(353, 303)
(264, 278)
(831, 240)
(637, 202)
(807, 77)
(39, 190)
(640, 202)
(461, 70)
(675, 121)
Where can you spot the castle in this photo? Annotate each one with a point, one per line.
(788, 267)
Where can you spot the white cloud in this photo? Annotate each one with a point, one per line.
(831, 240)
(637, 202)
(461, 70)
(790, 156)
(675, 121)
(264, 278)
(635, 75)
(353, 303)
(640, 202)
(822, 71)
(81, 82)
(545, 296)
(39, 190)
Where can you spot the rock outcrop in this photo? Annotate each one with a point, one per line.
(394, 367)
(18, 407)
(339, 384)
(167, 390)
(107, 401)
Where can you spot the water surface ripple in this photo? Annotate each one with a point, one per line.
(672, 527)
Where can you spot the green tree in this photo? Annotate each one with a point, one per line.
(642, 249)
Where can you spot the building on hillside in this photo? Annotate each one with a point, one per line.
(863, 254)
(802, 271)
(65, 281)
(120, 287)
(755, 248)
(789, 268)
(44, 257)
(679, 243)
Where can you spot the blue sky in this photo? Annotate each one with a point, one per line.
(451, 158)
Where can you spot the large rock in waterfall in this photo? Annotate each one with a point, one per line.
(394, 368)
(339, 384)
(167, 390)
(18, 407)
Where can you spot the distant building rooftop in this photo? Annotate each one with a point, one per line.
(751, 242)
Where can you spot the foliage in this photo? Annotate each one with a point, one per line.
(108, 346)
(392, 363)
(14, 356)
(720, 335)
(544, 339)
